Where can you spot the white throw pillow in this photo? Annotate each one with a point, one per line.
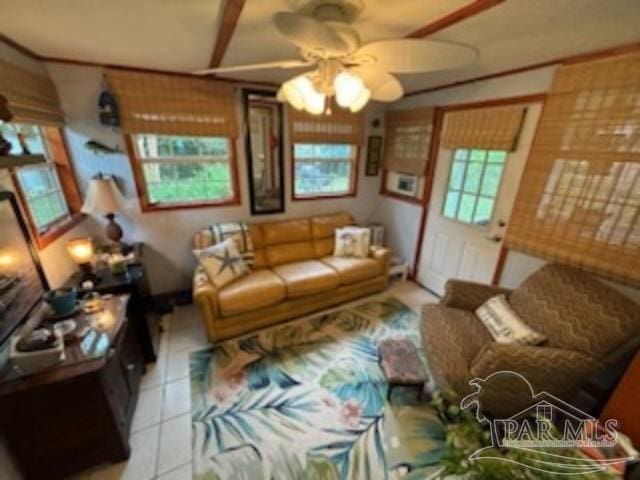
(352, 242)
(222, 262)
(504, 325)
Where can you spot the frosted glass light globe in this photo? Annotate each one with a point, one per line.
(348, 88)
(361, 101)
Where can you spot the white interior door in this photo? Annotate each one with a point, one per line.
(471, 201)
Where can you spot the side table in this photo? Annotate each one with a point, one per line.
(78, 413)
(133, 282)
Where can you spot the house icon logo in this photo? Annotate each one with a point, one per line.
(544, 431)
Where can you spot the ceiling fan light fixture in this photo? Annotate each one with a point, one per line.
(348, 88)
(361, 101)
(293, 93)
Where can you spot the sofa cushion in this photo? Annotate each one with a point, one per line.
(322, 230)
(307, 278)
(258, 289)
(287, 231)
(575, 311)
(353, 270)
(452, 338)
(288, 253)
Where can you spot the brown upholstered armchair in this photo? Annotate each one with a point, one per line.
(588, 325)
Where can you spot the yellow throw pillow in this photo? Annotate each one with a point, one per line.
(222, 262)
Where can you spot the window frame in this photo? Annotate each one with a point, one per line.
(353, 181)
(141, 185)
(57, 155)
(478, 195)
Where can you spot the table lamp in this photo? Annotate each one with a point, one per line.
(81, 251)
(104, 198)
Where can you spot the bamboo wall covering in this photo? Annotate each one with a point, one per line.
(493, 128)
(407, 140)
(31, 98)
(579, 197)
(173, 104)
(341, 126)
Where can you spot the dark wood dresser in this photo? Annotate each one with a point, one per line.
(77, 414)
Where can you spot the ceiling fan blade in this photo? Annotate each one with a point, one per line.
(282, 64)
(414, 55)
(309, 34)
(384, 86)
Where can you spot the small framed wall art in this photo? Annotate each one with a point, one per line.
(374, 155)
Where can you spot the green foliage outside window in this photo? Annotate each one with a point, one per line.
(474, 181)
(181, 169)
(323, 169)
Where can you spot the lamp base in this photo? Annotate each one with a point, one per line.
(113, 229)
(87, 274)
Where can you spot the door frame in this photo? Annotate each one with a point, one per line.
(438, 121)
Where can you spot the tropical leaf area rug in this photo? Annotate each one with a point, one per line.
(308, 400)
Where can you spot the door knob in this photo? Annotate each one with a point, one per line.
(494, 238)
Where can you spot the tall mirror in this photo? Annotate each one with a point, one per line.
(264, 147)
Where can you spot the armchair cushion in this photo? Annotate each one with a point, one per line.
(258, 289)
(469, 295)
(353, 270)
(556, 371)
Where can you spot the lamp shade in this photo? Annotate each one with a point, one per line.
(103, 197)
(81, 250)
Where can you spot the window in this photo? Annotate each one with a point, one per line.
(184, 170)
(39, 184)
(324, 169)
(474, 180)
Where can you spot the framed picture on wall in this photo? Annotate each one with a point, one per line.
(406, 184)
(22, 281)
(374, 155)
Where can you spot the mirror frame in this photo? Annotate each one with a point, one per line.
(246, 92)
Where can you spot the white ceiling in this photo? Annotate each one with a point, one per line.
(179, 35)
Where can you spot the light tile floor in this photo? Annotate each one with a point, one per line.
(161, 428)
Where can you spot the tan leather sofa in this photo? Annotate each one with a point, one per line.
(295, 273)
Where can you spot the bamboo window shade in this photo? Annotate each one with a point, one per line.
(492, 128)
(30, 98)
(579, 197)
(341, 126)
(408, 140)
(173, 104)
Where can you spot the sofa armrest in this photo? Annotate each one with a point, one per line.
(205, 294)
(381, 255)
(554, 370)
(469, 295)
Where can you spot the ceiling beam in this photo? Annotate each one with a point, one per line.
(474, 8)
(579, 58)
(19, 47)
(230, 16)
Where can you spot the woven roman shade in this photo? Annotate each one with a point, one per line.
(408, 139)
(341, 126)
(173, 104)
(579, 198)
(31, 98)
(493, 128)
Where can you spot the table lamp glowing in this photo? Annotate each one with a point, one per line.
(81, 251)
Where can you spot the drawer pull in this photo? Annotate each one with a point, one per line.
(131, 367)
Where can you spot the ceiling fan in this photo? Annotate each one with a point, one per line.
(343, 67)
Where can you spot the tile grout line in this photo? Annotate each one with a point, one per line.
(167, 332)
